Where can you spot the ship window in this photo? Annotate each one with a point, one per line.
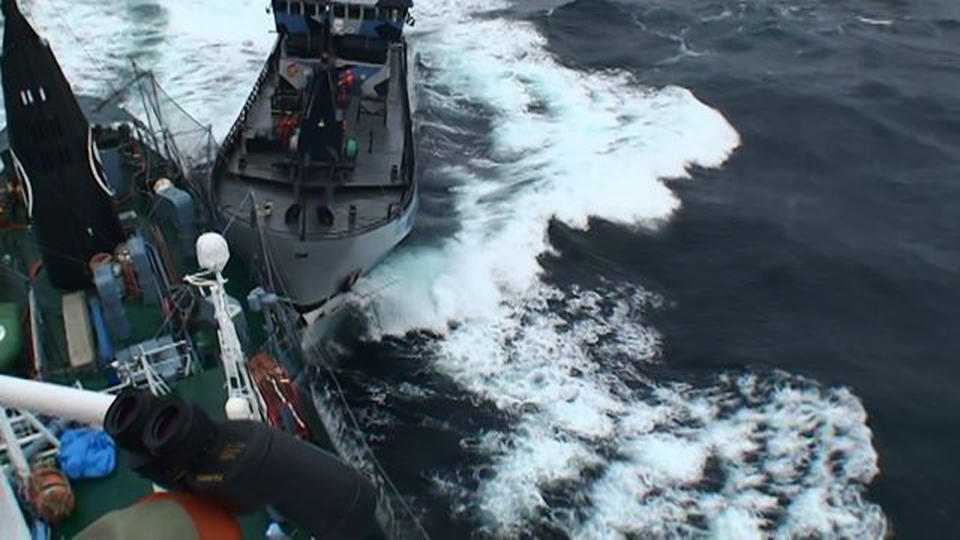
(292, 216)
(369, 14)
(30, 96)
(296, 8)
(353, 12)
(339, 11)
(325, 216)
(43, 95)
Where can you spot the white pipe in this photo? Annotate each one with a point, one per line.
(65, 402)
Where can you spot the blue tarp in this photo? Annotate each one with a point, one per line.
(87, 453)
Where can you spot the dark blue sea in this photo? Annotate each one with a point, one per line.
(681, 269)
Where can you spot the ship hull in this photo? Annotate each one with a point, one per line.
(319, 224)
(312, 272)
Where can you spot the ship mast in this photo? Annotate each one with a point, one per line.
(243, 400)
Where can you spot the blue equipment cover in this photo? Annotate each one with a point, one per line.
(87, 453)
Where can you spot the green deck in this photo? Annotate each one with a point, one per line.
(124, 487)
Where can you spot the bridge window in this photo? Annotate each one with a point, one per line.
(296, 8)
(312, 10)
(339, 11)
(353, 12)
(280, 6)
(369, 14)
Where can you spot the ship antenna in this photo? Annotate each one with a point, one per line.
(243, 400)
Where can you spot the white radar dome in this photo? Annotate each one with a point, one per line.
(212, 251)
(237, 408)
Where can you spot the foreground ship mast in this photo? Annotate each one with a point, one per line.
(244, 402)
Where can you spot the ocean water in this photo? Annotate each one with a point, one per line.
(682, 269)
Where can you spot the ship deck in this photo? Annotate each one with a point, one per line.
(123, 487)
(359, 195)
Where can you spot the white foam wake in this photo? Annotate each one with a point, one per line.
(565, 145)
(744, 456)
(596, 449)
(205, 53)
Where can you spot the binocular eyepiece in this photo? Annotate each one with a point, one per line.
(171, 428)
(242, 465)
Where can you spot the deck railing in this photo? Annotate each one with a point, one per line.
(236, 129)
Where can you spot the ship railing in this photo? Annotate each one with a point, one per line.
(237, 128)
(165, 126)
(141, 370)
(23, 437)
(394, 513)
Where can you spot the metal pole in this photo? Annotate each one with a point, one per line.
(65, 402)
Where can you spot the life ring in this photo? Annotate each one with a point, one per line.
(293, 69)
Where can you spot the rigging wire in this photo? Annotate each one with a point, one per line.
(366, 446)
(354, 423)
(243, 204)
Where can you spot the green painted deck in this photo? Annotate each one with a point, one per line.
(124, 487)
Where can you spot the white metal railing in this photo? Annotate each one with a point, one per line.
(18, 430)
(142, 367)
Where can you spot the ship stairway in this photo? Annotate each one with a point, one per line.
(24, 438)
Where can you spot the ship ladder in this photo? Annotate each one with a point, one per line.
(23, 438)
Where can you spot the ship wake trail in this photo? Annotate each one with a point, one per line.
(596, 448)
(207, 53)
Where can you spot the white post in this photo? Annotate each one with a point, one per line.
(243, 400)
(49, 399)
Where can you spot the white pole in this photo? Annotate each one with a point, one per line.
(65, 402)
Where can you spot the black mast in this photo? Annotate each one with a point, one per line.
(68, 196)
